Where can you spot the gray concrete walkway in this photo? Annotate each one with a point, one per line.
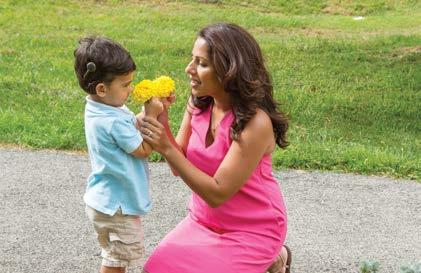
(335, 220)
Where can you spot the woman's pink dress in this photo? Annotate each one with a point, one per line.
(245, 234)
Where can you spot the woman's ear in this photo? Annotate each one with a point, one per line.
(100, 89)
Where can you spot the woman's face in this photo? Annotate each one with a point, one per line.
(203, 79)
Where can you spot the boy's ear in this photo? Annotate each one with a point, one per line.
(100, 89)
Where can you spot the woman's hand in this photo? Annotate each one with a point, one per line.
(154, 107)
(154, 134)
(166, 102)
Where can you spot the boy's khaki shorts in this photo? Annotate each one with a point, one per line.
(120, 237)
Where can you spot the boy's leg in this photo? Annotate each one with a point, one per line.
(106, 269)
(121, 240)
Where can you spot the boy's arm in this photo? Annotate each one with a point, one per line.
(143, 151)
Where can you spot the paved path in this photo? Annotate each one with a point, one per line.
(335, 220)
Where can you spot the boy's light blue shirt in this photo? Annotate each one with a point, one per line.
(118, 179)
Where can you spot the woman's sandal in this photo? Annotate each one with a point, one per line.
(280, 263)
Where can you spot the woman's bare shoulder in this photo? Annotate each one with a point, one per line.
(260, 121)
(259, 131)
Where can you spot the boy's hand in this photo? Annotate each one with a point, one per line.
(139, 118)
(153, 107)
(167, 101)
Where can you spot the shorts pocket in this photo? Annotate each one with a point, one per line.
(126, 246)
(124, 238)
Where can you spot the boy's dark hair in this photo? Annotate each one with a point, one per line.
(99, 59)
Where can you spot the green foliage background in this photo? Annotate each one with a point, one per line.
(351, 87)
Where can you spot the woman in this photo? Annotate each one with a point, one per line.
(237, 220)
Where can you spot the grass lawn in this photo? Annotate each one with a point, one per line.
(352, 87)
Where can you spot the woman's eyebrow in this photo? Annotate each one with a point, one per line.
(199, 57)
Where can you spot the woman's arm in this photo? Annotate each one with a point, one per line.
(181, 141)
(256, 140)
(183, 135)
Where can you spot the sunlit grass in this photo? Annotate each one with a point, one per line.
(351, 87)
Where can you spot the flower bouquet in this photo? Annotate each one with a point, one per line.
(160, 87)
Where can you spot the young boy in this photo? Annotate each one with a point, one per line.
(117, 192)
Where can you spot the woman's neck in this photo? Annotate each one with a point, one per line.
(222, 104)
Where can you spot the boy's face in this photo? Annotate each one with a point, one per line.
(117, 92)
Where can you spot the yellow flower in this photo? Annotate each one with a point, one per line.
(165, 85)
(146, 89)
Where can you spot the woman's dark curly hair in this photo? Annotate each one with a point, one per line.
(239, 65)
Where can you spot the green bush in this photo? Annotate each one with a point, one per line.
(373, 267)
